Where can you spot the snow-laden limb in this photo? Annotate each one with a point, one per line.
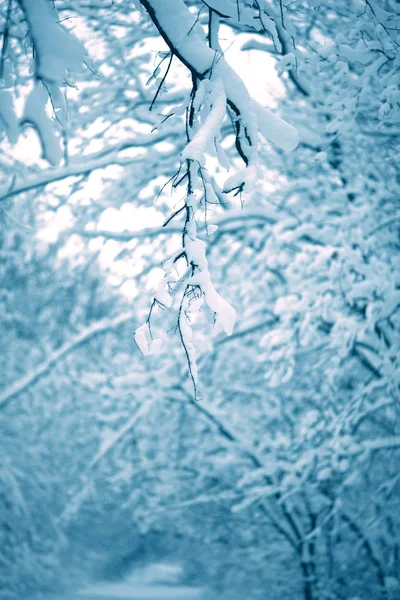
(16, 389)
(263, 17)
(198, 289)
(82, 165)
(216, 89)
(188, 43)
(284, 40)
(270, 27)
(391, 441)
(204, 140)
(119, 434)
(200, 284)
(241, 14)
(57, 51)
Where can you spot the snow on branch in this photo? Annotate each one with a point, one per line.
(16, 389)
(217, 91)
(189, 44)
(204, 140)
(79, 497)
(56, 53)
(82, 166)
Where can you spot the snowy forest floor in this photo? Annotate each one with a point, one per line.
(156, 582)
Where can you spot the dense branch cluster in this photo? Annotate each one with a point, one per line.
(145, 186)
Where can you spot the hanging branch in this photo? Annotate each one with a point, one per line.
(216, 89)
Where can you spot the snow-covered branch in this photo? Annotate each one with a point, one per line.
(189, 44)
(83, 165)
(31, 378)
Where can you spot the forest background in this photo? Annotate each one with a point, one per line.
(249, 429)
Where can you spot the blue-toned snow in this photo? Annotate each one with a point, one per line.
(154, 582)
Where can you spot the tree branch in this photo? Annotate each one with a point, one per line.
(31, 378)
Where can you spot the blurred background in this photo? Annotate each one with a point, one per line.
(284, 480)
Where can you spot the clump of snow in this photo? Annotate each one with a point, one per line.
(155, 346)
(142, 339)
(204, 140)
(321, 157)
(35, 114)
(211, 228)
(222, 156)
(274, 129)
(245, 179)
(225, 313)
(145, 343)
(57, 51)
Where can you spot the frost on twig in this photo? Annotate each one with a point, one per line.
(217, 92)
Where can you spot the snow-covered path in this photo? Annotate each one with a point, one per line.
(155, 582)
(141, 592)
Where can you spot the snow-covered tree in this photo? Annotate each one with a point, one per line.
(274, 284)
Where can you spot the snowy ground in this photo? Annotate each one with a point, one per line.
(140, 592)
(155, 582)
